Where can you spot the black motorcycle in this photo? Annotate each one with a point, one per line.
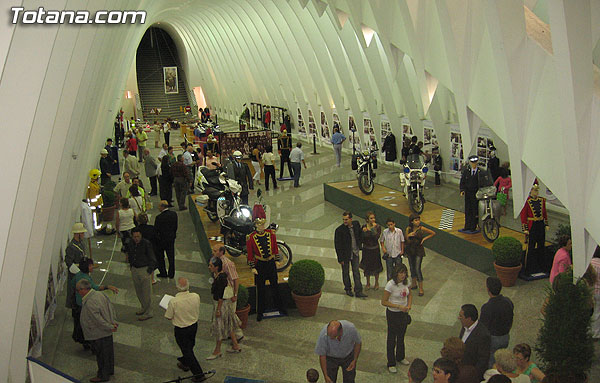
(365, 163)
(222, 192)
(238, 224)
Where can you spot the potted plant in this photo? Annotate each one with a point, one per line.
(243, 307)
(306, 280)
(565, 345)
(507, 254)
(109, 198)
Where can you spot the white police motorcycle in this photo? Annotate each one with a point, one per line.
(413, 178)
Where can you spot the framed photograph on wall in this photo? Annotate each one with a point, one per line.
(325, 134)
(171, 80)
(312, 127)
(301, 126)
(456, 152)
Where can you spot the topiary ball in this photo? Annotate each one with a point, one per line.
(507, 251)
(306, 277)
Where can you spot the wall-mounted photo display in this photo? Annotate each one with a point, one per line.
(312, 127)
(484, 147)
(456, 150)
(170, 80)
(301, 126)
(386, 129)
(430, 140)
(407, 131)
(325, 134)
(50, 304)
(368, 130)
(353, 137)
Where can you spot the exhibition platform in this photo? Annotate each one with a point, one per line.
(472, 250)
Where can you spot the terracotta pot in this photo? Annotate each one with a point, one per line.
(243, 315)
(507, 275)
(108, 214)
(307, 305)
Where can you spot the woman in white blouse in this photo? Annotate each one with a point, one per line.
(125, 220)
(398, 300)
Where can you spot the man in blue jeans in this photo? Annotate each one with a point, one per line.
(297, 157)
(392, 244)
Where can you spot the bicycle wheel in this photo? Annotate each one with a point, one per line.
(365, 183)
(491, 229)
(284, 258)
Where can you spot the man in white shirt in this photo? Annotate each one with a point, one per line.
(183, 311)
(123, 186)
(163, 152)
(392, 244)
(297, 157)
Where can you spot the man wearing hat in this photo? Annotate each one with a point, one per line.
(105, 166)
(74, 253)
(284, 146)
(471, 180)
(262, 248)
(534, 222)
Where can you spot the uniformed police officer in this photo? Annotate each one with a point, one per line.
(284, 146)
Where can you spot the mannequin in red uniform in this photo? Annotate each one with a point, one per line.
(534, 222)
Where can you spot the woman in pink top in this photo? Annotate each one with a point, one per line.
(562, 258)
(504, 182)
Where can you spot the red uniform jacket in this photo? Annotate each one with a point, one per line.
(255, 252)
(534, 210)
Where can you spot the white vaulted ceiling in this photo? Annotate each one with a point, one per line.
(462, 60)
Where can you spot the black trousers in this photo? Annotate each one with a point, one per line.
(169, 248)
(105, 356)
(186, 340)
(470, 210)
(396, 328)
(77, 330)
(167, 135)
(153, 185)
(438, 180)
(244, 199)
(282, 160)
(270, 172)
(267, 271)
(333, 364)
(166, 189)
(536, 248)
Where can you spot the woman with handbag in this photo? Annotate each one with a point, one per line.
(225, 321)
(416, 235)
(137, 201)
(398, 300)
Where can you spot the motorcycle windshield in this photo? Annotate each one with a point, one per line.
(414, 161)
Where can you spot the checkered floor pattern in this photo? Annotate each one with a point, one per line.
(447, 219)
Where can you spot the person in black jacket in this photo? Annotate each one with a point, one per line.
(142, 263)
(241, 173)
(472, 178)
(348, 242)
(437, 165)
(166, 232)
(497, 316)
(165, 180)
(476, 338)
(149, 233)
(389, 147)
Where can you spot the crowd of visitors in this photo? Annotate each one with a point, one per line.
(478, 353)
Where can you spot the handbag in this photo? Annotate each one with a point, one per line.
(501, 197)
(228, 293)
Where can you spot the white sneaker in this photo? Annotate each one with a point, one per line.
(392, 369)
(405, 362)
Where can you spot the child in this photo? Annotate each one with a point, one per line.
(312, 375)
(503, 184)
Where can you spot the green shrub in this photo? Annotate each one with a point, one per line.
(565, 345)
(242, 297)
(108, 194)
(507, 251)
(306, 277)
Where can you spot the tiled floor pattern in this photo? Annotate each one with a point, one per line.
(280, 350)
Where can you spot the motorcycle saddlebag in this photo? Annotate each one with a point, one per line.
(354, 161)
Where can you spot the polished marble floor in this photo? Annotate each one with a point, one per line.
(282, 349)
